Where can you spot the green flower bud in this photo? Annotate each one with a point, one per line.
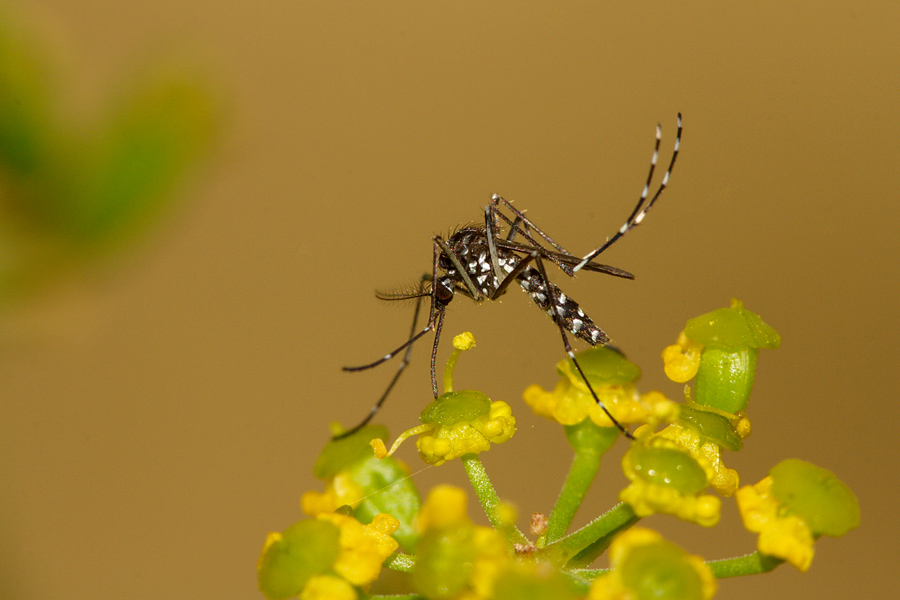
(289, 559)
(815, 495)
(388, 489)
(602, 365)
(659, 571)
(340, 454)
(711, 427)
(731, 338)
(444, 559)
(454, 407)
(668, 467)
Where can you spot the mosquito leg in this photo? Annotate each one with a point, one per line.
(640, 211)
(515, 227)
(557, 306)
(442, 246)
(393, 353)
(489, 229)
(520, 217)
(403, 363)
(434, 349)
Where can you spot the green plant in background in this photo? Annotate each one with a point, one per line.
(73, 192)
(370, 514)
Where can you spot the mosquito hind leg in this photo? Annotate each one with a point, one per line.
(640, 210)
(520, 217)
(556, 306)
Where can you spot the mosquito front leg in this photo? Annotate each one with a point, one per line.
(489, 229)
(400, 369)
(441, 245)
(434, 350)
(440, 296)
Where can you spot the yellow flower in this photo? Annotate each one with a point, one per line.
(645, 565)
(783, 535)
(341, 490)
(722, 479)
(682, 360)
(570, 403)
(667, 479)
(454, 557)
(457, 423)
(363, 548)
(328, 587)
(612, 378)
(444, 443)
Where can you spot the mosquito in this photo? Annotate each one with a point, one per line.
(476, 261)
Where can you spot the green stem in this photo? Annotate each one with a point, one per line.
(589, 442)
(487, 495)
(750, 564)
(589, 574)
(584, 545)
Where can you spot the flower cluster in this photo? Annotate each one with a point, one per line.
(326, 557)
(369, 514)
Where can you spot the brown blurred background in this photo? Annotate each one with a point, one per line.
(160, 418)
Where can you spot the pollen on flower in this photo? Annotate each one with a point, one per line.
(464, 341)
(708, 454)
(328, 587)
(446, 442)
(363, 548)
(682, 360)
(543, 403)
(742, 424)
(782, 535)
(648, 498)
(378, 448)
(667, 479)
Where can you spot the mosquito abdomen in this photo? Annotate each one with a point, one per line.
(563, 310)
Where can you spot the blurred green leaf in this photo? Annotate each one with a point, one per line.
(69, 194)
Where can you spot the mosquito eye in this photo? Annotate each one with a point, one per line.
(443, 293)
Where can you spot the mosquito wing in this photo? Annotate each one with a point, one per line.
(566, 259)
